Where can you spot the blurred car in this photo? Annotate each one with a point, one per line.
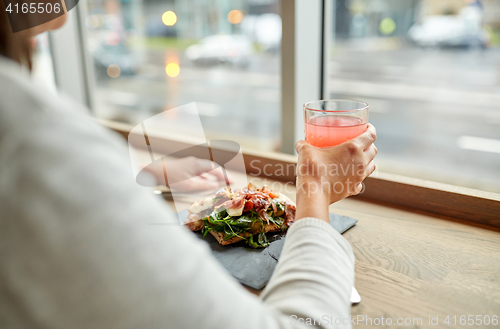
(156, 28)
(105, 55)
(448, 31)
(215, 49)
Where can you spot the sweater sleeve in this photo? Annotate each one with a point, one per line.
(83, 246)
(314, 276)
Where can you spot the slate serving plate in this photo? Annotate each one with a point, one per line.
(254, 267)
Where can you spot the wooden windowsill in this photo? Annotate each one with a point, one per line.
(413, 194)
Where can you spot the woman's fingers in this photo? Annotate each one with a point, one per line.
(299, 145)
(203, 165)
(358, 189)
(207, 166)
(370, 168)
(371, 152)
(219, 173)
(367, 138)
(195, 184)
(199, 183)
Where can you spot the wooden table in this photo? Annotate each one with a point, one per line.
(411, 266)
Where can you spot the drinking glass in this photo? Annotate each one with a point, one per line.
(332, 122)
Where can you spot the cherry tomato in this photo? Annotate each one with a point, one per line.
(272, 195)
(248, 206)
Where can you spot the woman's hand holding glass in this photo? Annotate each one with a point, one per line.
(327, 175)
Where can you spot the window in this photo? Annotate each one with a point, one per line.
(150, 56)
(430, 71)
(43, 70)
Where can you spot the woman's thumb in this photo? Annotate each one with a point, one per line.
(299, 145)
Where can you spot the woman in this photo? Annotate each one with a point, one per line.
(76, 248)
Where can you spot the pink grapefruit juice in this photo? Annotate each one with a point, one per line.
(331, 130)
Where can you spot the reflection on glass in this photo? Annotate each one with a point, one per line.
(151, 56)
(430, 71)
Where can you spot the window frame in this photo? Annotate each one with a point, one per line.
(303, 61)
(72, 63)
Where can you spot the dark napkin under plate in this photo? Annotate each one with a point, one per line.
(254, 267)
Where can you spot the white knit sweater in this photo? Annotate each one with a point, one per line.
(77, 250)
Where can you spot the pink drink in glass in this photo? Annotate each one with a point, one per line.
(333, 122)
(333, 130)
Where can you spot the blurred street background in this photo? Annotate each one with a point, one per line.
(430, 70)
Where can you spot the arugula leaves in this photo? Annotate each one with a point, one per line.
(262, 241)
(279, 206)
(241, 225)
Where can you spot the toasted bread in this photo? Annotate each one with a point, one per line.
(250, 201)
(220, 235)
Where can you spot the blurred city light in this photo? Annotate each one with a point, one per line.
(112, 38)
(169, 18)
(387, 26)
(235, 16)
(97, 21)
(114, 71)
(172, 70)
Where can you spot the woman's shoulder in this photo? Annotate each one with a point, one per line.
(29, 109)
(26, 103)
(22, 100)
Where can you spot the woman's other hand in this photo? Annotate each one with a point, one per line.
(191, 174)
